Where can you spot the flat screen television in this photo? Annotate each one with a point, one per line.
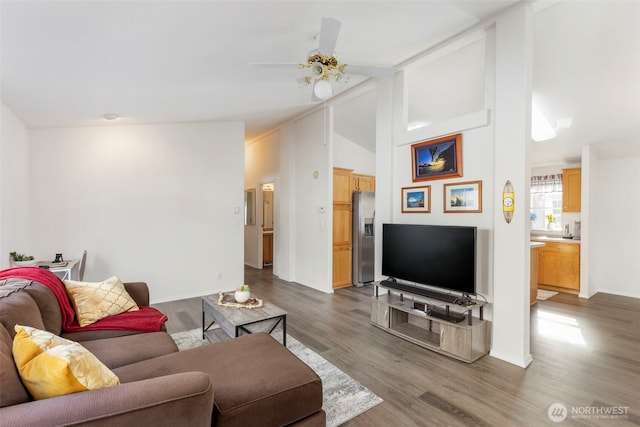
(435, 255)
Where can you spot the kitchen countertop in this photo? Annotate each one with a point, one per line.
(554, 239)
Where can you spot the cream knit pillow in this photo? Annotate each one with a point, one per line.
(93, 301)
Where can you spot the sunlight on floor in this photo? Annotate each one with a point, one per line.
(560, 328)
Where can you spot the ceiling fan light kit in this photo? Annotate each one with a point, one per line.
(324, 67)
(322, 89)
(317, 70)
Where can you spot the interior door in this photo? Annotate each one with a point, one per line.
(268, 221)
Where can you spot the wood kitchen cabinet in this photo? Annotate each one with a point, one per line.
(533, 276)
(341, 227)
(571, 189)
(559, 267)
(363, 182)
(342, 185)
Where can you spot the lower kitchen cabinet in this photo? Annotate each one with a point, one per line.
(559, 267)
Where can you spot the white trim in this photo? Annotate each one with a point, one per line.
(521, 363)
(447, 127)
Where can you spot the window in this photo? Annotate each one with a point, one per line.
(546, 202)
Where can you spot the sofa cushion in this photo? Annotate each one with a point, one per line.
(83, 336)
(17, 307)
(48, 306)
(12, 390)
(253, 374)
(120, 351)
(93, 301)
(52, 366)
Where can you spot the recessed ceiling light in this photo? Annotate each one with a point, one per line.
(110, 116)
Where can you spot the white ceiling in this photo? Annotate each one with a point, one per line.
(587, 69)
(68, 63)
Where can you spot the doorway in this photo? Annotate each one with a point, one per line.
(268, 211)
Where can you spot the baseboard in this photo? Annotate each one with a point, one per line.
(523, 363)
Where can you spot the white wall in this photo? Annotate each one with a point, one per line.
(448, 86)
(312, 230)
(477, 161)
(262, 165)
(589, 220)
(347, 154)
(14, 187)
(615, 243)
(302, 236)
(152, 203)
(511, 255)
(495, 145)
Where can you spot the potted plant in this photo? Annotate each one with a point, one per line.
(550, 221)
(243, 293)
(22, 260)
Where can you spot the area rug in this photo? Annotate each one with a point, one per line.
(343, 397)
(543, 295)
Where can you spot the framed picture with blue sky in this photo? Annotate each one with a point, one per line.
(416, 199)
(463, 197)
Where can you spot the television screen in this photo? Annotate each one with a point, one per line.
(433, 255)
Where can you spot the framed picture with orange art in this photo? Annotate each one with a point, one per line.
(437, 158)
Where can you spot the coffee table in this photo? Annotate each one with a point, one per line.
(234, 321)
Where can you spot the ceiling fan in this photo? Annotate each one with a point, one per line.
(324, 66)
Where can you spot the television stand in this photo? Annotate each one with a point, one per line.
(419, 291)
(445, 314)
(431, 323)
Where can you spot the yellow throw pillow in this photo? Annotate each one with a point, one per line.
(51, 366)
(93, 301)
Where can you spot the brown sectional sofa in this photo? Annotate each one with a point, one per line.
(248, 381)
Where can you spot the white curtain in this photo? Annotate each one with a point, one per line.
(546, 183)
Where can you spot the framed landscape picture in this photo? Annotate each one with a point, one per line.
(437, 158)
(463, 197)
(416, 199)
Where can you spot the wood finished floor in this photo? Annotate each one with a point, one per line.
(599, 368)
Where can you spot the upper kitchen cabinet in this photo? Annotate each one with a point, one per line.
(363, 182)
(342, 185)
(571, 188)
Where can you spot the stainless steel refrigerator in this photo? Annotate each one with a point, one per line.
(363, 237)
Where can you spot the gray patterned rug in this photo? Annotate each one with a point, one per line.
(343, 397)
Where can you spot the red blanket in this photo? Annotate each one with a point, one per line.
(147, 319)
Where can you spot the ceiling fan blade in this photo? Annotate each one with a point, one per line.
(329, 30)
(274, 65)
(370, 70)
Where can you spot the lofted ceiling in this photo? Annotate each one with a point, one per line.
(586, 78)
(67, 63)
